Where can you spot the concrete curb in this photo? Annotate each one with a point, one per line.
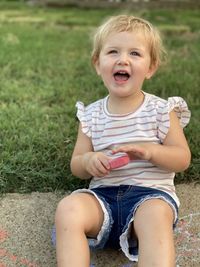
(26, 222)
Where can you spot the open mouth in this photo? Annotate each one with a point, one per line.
(121, 76)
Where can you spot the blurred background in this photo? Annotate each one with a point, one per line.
(45, 48)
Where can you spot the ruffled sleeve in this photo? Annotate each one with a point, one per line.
(180, 107)
(84, 118)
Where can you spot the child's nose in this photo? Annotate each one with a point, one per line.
(123, 60)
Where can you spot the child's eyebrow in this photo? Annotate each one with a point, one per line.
(111, 47)
(136, 48)
(131, 48)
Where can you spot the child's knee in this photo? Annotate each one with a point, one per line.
(79, 211)
(155, 214)
(67, 210)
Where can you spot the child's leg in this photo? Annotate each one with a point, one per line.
(153, 227)
(77, 215)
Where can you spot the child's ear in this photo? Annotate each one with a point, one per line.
(152, 69)
(96, 65)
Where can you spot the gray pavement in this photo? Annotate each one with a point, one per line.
(26, 222)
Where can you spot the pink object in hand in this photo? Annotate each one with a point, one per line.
(119, 162)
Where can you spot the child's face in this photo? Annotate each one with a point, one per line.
(124, 63)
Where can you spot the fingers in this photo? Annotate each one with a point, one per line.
(98, 165)
(127, 149)
(99, 169)
(134, 151)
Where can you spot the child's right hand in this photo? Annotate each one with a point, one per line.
(96, 163)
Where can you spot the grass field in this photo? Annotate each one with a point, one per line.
(45, 69)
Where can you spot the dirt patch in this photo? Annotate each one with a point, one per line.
(26, 222)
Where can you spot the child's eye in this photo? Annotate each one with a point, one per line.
(112, 51)
(135, 53)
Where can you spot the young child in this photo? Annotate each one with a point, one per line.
(132, 207)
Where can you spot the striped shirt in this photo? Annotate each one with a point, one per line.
(149, 123)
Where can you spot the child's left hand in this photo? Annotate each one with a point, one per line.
(138, 151)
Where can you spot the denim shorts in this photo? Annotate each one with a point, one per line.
(119, 204)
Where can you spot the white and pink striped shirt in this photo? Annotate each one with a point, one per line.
(149, 123)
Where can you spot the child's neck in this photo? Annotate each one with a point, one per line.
(124, 105)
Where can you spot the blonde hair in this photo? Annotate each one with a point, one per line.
(130, 23)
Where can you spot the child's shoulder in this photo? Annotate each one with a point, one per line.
(165, 106)
(170, 102)
(156, 101)
(154, 98)
(96, 104)
(90, 108)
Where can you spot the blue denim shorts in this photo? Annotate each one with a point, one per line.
(119, 204)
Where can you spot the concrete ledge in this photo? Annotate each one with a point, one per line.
(26, 222)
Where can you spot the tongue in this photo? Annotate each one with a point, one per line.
(121, 77)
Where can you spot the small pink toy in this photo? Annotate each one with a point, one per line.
(119, 162)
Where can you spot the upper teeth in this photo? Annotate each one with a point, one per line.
(122, 72)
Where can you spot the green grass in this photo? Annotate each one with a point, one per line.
(45, 68)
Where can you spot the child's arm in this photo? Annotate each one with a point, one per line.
(85, 162)
(174, 154)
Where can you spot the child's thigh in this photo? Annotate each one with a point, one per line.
(81, 210)
(153, 217)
